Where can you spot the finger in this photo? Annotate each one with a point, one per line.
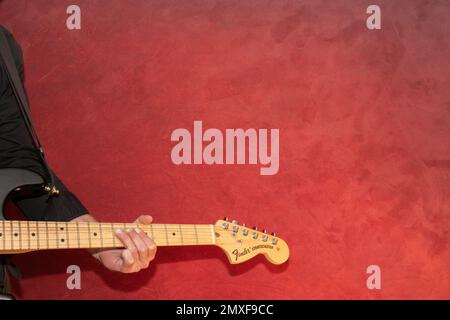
(128, 243)
(142, 248)
(144, 219)
(149, 243)
(127, 260)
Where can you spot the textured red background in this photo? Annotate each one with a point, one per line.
(364, 120)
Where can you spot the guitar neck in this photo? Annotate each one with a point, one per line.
(43, 235)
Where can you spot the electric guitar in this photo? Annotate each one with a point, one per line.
(239, 242)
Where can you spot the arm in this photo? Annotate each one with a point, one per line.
(139, 249)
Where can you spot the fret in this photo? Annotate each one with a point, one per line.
(113, 235)
(52, 234)
(61, 230)
(82, 229)
(36, 234)
(78, 234)
(95, 235)
(101, 235)
(56, 231)
(9, 235)
(119, 226)
(57, 235)
(12, 234)
(181, 233)
(60, 234)
(67, 234)
(46, 234)
(28, 234)
(64, 239)
(20, 234)
(89, 234)
(25, 235)
(71, 232)
(196, 233)
(114, 228)
(167, 238)
(151, 231)
(213, 236)
(86, 239)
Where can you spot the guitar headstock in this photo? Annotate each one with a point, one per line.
(241, 243)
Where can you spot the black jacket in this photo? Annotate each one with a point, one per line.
(17, 151)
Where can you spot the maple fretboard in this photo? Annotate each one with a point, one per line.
(42, 235)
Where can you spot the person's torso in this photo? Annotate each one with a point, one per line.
(16, 146)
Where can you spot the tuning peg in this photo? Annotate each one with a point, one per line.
(234, 222)
(225, 218)
(255, 228)
(243, 225)
(264, 231)
(274, 239)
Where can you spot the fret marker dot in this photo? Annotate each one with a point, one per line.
(95, 234)
(15, 234)
(62, 240)
(1, 234)
(173, 233)
(61, 228)
(33, 234)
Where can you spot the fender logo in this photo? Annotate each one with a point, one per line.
(248, 250)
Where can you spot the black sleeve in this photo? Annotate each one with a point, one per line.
(16, 51)
(64, 207)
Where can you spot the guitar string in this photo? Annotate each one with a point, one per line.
(117, 246)
(206, 228)
(41, 223)
(95, 233)
(105, 235)
(58, 244)
(162, 242)
(106, 227)
(197, 237)
(8, 223)
(112, 245)
(10, 232)
(30, 229)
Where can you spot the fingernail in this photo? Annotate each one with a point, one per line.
(118, 231)
(137, 230)
(129, 230)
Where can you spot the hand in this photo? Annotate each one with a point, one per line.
(139, 250)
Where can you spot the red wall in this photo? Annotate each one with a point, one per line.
(364, 119)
